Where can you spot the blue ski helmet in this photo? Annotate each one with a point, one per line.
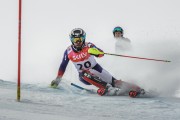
(118, 29)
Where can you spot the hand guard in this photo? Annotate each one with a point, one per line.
(95, 52)
(55, 82)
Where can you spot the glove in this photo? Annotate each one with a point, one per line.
(95, 52)
(56, 82)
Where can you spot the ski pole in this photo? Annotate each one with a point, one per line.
(138, 57)
(79, 87)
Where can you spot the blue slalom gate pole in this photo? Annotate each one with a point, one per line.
(81, 88)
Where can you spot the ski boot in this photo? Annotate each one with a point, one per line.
(134, 93)
(110, 91)
(101, 91)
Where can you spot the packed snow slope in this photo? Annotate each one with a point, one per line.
(68, 103)
(152, 26)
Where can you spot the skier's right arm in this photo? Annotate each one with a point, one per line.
(61, 70)
(63, 65)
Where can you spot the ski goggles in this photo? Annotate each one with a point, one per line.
(77, 39)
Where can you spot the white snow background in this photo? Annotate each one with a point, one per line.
(153, 27)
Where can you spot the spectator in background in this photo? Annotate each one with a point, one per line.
(122, 43)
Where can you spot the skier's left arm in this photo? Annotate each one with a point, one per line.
(93, 50)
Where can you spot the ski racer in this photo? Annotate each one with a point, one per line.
(82, 54)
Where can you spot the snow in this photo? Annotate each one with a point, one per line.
(67, 103)
(152, 26)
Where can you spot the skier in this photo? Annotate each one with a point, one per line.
(82, 54)
(122, 43)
